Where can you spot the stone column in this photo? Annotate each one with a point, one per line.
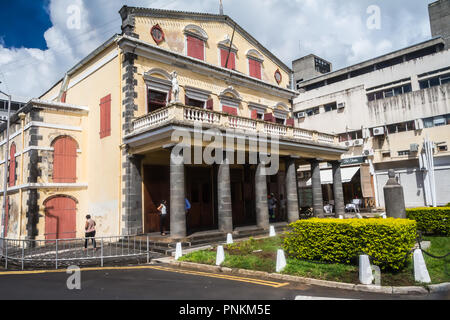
(316, 189)
(291, 191)
(339, 206)
(177, 198)
(262, 209)
(224, 197)
(133, 196)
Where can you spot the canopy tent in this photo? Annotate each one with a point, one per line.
(326, 175)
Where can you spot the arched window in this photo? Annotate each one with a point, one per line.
(196, 38)
(60, 218)
(12, 165)
(65, 160)
(255, 60)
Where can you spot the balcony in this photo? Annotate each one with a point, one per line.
(188, 116)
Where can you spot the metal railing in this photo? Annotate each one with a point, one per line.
(64, 252)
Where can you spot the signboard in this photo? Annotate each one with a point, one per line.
(366, 182)
(355, 160)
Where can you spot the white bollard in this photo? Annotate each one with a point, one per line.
(272, 231)
(420, 268)
(383, 215)
(341, 216)
(220, 257)
(359, 216)
(281, 260)
(178, 251)
(229, 238)
(365, 270)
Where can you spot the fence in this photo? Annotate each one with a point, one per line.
(64, 252)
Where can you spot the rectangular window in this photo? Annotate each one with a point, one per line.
(254, 68)
(195, 48)
(105, 117)
(231, 59)
(428, 122)
(156, 100)
(442, 148)
(439, 121)
(403, 153)
(194, 103)
(330, 107)
(280, 121)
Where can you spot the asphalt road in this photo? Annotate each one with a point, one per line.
(164, 282)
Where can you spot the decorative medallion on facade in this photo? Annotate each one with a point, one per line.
(278, 76)
(157, 34)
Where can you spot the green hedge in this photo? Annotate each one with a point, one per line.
(434, 221)
(341, 241)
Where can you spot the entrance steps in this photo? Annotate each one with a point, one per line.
(167, 246)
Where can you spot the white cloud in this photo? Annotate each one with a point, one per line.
(333, 29)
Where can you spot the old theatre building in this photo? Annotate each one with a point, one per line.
(100, 140)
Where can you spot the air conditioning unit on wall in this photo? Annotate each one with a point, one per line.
(379, 131)
(358, 142)
(414, 147)
(301, 115)
(368, 152)
(347, 143)
(341, 105)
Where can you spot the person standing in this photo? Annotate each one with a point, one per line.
(89, 232)
(162, 217)
(272, 206)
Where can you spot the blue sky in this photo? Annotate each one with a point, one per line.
(38, 47)
(23, 23)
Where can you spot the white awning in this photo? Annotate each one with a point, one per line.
(326, 175)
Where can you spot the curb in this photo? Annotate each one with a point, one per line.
(323, 283)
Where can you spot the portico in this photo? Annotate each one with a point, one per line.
(230, 188)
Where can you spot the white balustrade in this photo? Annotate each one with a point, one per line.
(205, 116)
(303, 134)
(323, 137)
(275, 129)
(192, 114)
(241, 123)
(151, 119)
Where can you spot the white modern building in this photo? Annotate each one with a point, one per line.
(383, 110)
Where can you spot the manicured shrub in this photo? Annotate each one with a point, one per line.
(341, 241)
(434, 221)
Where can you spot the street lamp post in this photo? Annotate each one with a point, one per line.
(5, 171)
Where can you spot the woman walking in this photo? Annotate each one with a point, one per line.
(90, 232)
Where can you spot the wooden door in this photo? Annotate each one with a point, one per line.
(199, 192)
(156, 189)
(60, 218)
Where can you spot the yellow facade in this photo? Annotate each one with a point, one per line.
(101, 163)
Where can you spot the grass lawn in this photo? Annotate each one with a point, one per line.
(260, 255)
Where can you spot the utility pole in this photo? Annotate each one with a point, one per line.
(5, 173)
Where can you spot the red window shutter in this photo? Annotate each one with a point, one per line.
(12, 165)
(195, 48)
(65, 160)
(254, 114)
(290, 122)
(254, 68)
(269, 117)
(63, 97)
(105, 116)
(230, 110)
(210, 104)
(231, 59)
